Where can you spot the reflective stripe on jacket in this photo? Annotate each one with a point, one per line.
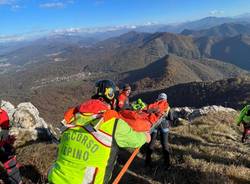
(84, 155)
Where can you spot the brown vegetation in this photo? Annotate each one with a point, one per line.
(207, 150)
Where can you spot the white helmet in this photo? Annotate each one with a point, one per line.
(162, 96)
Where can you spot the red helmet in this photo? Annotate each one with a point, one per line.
(4, 119)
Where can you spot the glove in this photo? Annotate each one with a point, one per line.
(148, 137)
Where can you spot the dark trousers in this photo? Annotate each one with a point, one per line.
(163, 130)
(245, 132)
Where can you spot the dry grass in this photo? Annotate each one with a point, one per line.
(206, 151)
(36, 158)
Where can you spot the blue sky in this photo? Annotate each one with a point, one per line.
(29, 16)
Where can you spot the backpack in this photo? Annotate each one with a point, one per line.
(92, 112)
(4, 120)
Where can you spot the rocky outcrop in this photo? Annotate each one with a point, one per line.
(27, 125)
(191, 113)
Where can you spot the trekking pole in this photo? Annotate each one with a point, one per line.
(125, 167)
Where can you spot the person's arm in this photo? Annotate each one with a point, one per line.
(242, 114)
(121, 101)
(126, 137)
(170, 115)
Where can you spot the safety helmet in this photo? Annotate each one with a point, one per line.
(105, 88)
(162, 96)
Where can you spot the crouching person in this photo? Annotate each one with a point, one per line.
(9, 167)
(88, 150)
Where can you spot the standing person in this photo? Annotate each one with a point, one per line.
(11, 172)
(163, 129)
(244, 118)
(88, 151)
(123, 98)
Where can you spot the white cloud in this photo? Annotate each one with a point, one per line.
(7, 2)
(10, 38)
(31, 35)
(57, 4)
(53, 5)
(15, 7)
(98, 2)
(69, 30)
(216, 12)
(13, 4)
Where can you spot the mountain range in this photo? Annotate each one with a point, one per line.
(171, 70)
(61, 69)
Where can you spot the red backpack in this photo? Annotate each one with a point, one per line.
(91, 110)
(4, 119)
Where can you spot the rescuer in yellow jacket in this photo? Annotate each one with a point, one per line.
(87, 151)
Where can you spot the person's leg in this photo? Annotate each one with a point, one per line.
(164, 142)
(244, 134)
(150, 148)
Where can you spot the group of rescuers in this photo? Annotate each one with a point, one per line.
(88, 156)
(88, 151)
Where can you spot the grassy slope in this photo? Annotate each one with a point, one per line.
(206, 151)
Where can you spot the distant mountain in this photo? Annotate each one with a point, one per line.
(204, 23)
(44, 49)
(234, 92)
(11, 46)
(227, 42)
(172, 70)
(58, 59)
(223, 30)
(243, 17)
(235, 50)
(102, 33)
(144, 48)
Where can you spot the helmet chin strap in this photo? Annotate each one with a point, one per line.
(107, 101)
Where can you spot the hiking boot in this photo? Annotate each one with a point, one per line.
(166, 158)
(148, 160)
(243, 139)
